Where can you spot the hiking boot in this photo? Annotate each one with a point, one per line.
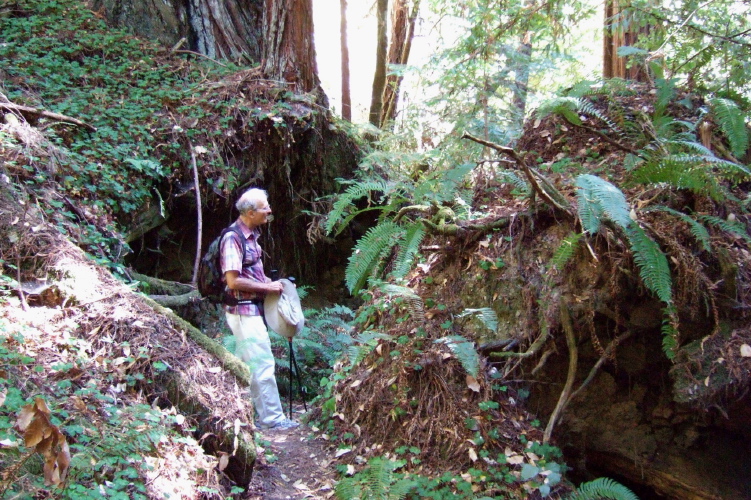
(284, 425)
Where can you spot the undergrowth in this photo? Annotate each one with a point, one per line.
(115, 442)
(132, 96)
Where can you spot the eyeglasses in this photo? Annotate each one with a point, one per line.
(267, 208)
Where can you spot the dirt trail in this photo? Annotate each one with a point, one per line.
(303, 467)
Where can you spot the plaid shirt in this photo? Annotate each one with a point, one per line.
(249, 266)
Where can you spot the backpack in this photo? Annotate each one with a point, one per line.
(210, 284)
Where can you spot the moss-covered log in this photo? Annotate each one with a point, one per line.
(235, 440)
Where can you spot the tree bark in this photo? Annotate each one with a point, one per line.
(615, 37)
(402, 33)
(230, 29)
(379, 78)
(225, 30)
(346, 95)
(524, 55)
(289, 50)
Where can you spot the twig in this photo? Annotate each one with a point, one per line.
(183, 51)
(572, 362)
(609, 140)
(603, 358)
(48, 114)
(543, 360)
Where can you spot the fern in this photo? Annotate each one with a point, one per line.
(571, 107)
(408, 248)
(366, 342)
(369, 252)
(487, 316)
(344, 203)
(567, 107)
(665, 93)
(652, 263)
(597, 198)
(515, 180)
(565, 250)
(416, 305)
(588, 108)
(732, 123)
(735, 227)
(464, 351)
(376, 481)
(600, 488)
(680, 171)
(700, 232)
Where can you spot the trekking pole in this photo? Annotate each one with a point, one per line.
(291, 357)
(293, 360)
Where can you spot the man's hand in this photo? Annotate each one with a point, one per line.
(275, 287)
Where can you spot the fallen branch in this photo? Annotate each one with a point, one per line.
(549, 197)
(47, 114)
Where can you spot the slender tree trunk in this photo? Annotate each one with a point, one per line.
(402, 33)
(289, 50)
(523, 61)
(346, 96)
(379, 79)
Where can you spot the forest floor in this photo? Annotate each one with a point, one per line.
(293, 464)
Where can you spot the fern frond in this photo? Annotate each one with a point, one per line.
(416, 305)
(652, 263)
(665, 93)
(369, 252)
(602, 487)
(465, 352)
(588, 108)
(732, 123)
(515, 180)
(565, 106)
(409, 245)
(565, 251)
(690, 145)
(487, 316)
(366, 343)
(377, 481)
(700, 232)
(735, 227)
(357, 190)
(679, 171)
(597, 199)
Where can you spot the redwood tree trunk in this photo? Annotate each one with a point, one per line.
(346, 96)
(289, 51)
(227, 29)
(402, 32)
(230, 29)
(614, 37)
(379, 78)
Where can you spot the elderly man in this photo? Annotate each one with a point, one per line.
(247, 286)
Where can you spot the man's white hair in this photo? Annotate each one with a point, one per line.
(252, 199)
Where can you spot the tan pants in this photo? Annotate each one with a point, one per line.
(254, 348)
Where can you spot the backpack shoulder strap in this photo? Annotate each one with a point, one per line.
(233, 227)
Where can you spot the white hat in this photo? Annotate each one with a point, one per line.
(283, 312)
